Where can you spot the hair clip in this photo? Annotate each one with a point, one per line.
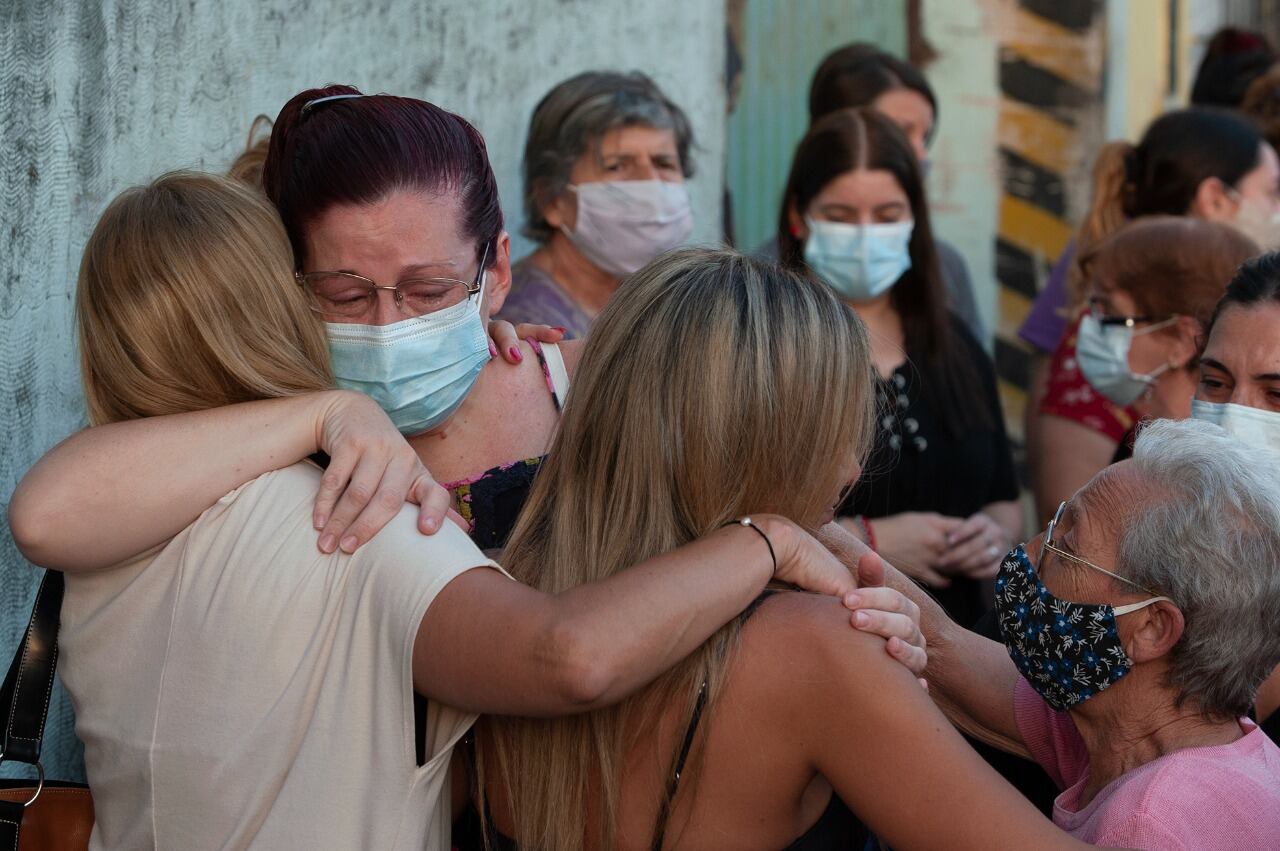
(306, 107)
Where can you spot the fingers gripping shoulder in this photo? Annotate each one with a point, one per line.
(803, 650)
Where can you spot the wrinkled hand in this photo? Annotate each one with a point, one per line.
(372, 472)
(916, 543)
(887, 613)
(976, 548)
(505, 338)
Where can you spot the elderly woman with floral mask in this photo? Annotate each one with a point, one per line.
(1137, 629)
(604, 171)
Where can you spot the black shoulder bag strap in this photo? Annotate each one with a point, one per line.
(25, 696)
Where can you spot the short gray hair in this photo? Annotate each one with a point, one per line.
(570, 120)
(1208, 538)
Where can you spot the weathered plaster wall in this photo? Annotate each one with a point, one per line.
(964, 181)
(98, 95)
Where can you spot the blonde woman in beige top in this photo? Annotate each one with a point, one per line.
(234, 685)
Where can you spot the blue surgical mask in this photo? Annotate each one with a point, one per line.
(1068, 652)
(860, 262)
(1103, 354)
(418, 370)
(1254, 426)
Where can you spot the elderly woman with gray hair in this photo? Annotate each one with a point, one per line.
(1137, 630)
(604, 171)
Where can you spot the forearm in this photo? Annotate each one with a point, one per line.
(970, 677)
(591, 645)
(626, 630)
(111, 492)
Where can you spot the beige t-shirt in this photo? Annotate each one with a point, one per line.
(238, 688)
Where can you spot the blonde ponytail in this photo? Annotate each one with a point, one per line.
(1108, 209)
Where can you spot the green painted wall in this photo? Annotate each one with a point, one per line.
(782, 43)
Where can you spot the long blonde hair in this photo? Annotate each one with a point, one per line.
(186, 301)
(712, 386)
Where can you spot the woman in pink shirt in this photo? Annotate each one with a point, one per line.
(1137, 630)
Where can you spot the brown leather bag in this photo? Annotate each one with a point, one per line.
(50, 815)
(59, 819)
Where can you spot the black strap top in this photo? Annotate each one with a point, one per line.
(836, 829)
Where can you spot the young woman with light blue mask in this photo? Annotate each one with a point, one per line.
(940, 497)
(1152, 291)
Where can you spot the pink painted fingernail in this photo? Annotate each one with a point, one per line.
(493, 350)
(326, 543)
(515, 354)
(560, 330)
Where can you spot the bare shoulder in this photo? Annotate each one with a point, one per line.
(803, 645)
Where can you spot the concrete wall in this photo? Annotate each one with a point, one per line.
(964, 180)
(782, 44)
(98, 95)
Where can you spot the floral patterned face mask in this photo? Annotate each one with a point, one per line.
(1067, 651)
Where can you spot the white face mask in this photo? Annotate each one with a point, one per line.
(1258, 221)
(623, 224)
(1254, 426)
(1103, 354)
(860, 262)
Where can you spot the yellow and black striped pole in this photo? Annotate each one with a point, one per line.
(1050, 81)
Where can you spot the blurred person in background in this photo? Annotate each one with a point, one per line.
(1232, 60)
(605, 165)
(860, 74)
(1151, 291)
(1262, 104)
(939, 496)
(1205, 163)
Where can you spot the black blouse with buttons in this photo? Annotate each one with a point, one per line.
(918, 465)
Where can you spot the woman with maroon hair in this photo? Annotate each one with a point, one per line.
(392, 209)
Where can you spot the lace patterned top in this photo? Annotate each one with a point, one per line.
(491, 501)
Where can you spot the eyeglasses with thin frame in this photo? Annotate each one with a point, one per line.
(1098, 312)
(1048, 544)
(351, 296)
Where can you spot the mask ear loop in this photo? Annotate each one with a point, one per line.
(1133, 607)
(570, 187)
(1150, 378)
